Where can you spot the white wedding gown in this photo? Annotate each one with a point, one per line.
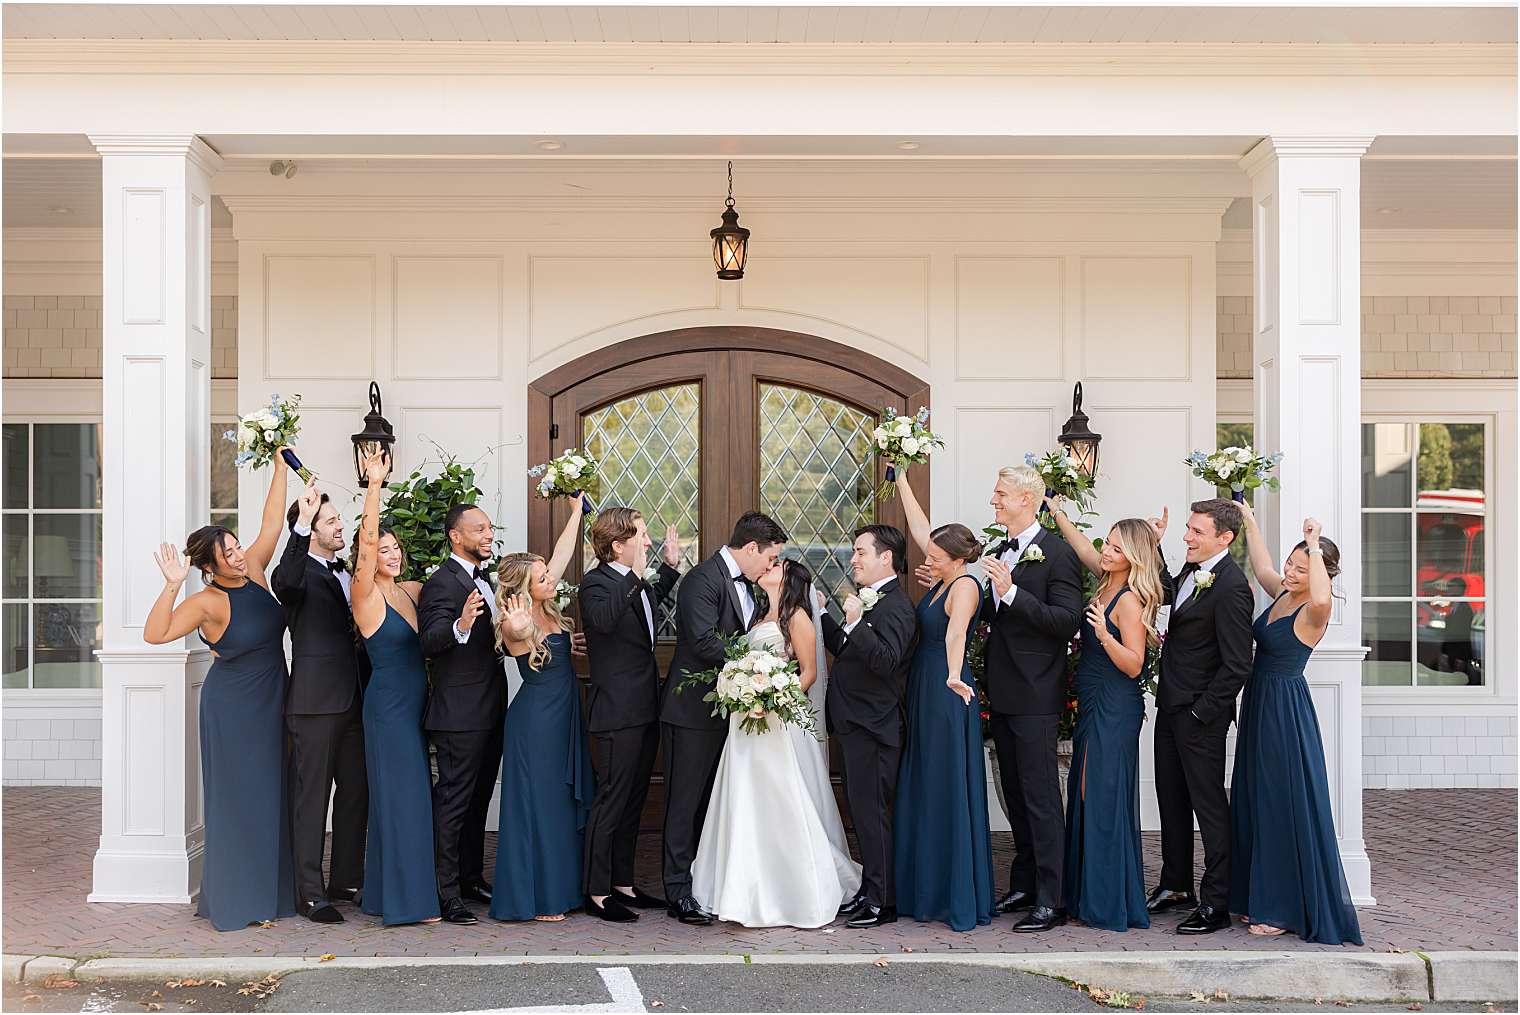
(773, 851)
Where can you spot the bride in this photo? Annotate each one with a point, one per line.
(773, 851)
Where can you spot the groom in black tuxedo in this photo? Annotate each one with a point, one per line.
(1204, 663)
(1033, 604)
(716, 601)
(864, 707)
(620, 609)
(323, 708)
(466, 705)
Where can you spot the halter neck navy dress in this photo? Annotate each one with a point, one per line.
(546, 790)
(1105, 874)
(1286, 866)
(941, 840)
(247, 872)
(400, 883)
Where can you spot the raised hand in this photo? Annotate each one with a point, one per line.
(1159, 524)
(853, 609)
(1000, 574)
(474, 603)
(921, 572)
(1053, 505)
(821, 601)
(960, 688)
(671, 550)
(1247, 512)
(308, 503)
(1312, 529)
(376, 467)
(518, 617)
(175, 568)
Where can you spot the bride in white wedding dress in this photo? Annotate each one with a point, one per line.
(773, 851)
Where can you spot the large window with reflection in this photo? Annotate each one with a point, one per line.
(1424, 551)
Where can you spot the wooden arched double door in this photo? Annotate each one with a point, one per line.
(694, 427)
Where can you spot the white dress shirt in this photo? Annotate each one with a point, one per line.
(876, 585)
(1011, 557)
(485, 590)
(344, 578)
(746, 598)
(624, 569)
(1185, 591)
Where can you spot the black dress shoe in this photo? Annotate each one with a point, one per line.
(640, 899)
(688, 911)
(343, 895)
(1041, 918)
(611, 910)
(476, 891)
(872, 916)
(1013, 902)
(455, 911)
(1205, 920)
(852, 907)
(320, 912)
(1163, 899)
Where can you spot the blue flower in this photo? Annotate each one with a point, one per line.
(230, 435)
(1029, 458)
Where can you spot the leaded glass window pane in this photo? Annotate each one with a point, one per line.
(817, 479)
(649, 450)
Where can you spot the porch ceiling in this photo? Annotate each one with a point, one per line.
(847, 23)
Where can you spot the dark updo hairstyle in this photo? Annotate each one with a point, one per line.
(201, 547)
(1332, 554)
(957, 542)
(796, 594)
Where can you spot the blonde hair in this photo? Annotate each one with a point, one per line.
(513, 576)
(1023, 478)
(1137, 541)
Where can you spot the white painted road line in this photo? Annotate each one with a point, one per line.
(626, 997)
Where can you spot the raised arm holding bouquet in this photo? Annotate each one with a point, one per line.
(1238, 468)
(569, 475)
(903, 440)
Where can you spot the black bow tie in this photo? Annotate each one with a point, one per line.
(739, 579)
(1005, 546)
(482, 574)
(336, 565)
(1187, 569)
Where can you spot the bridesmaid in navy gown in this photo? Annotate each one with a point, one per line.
(547, 781)
(1105, 875)
(1286, 872)
(400, 885)
(941, 840)
(247, 872)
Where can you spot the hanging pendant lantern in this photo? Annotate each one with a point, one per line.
(1080, 442)
(730, 240)
(377, 436)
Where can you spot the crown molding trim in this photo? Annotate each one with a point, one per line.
(342, 57)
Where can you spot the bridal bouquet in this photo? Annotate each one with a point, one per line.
(759, 683)
(264, 431)
(903, 440)
(1062, 479)
(1240, 469)
(569, 474)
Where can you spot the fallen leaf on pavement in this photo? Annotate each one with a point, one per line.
(656, 1004)
(880, 963)
(58, 981)
(1199, 997)
(156, 994)
(32, 997)
(1220, 995)
(907, 949)
(265, 924)
(217, 983)
(327, 958)
(1417, 1006)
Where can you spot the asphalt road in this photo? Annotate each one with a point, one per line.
(648, 988)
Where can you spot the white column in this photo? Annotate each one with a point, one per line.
(155, 259)
(1306, 236)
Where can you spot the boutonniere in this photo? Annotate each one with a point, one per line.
(1201, 580)
(1032, 555)
(869, 597)
(652, 573)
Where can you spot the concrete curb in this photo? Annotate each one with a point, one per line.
(1473, 976)
(1290, 976)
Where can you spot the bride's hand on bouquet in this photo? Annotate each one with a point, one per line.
(961, 689)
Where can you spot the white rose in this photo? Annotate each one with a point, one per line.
(1223, 469)
(780, 679)
(572, 471)
(910, 445)
(1243, 456)
(267, 419)
(759, 681)
(272, 436)
(903, 427)
(883, 441)
(578, 462)
(552, 475)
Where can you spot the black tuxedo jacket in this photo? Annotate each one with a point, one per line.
(707, 611)
(468, 686)
(625, 681)
(1028, 640)
(328, 667)
(869, 677)
(1207, 653)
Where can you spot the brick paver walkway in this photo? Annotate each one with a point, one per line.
(1443, 866)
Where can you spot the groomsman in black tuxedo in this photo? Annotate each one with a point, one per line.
(324, 707)
(864, 707)
(717, 600)
(1034, 607)
(1204, 663)
(620, 607)
(465, 707)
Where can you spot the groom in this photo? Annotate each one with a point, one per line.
(716, 601)
(864, 703)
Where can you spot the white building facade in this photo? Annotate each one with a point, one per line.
(1296, 222)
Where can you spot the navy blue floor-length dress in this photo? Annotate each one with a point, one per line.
(1105, 876)
(940, 833)
(247, 872)
(1285, 867)
(400, 883)
(546, 791)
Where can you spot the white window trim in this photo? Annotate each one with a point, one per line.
(1461, 400)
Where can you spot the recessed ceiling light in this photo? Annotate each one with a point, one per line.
(907, 146)
(61, 210)
(550, 145)
(1388, 211)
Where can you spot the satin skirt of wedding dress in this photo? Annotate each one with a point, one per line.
(773, 851)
